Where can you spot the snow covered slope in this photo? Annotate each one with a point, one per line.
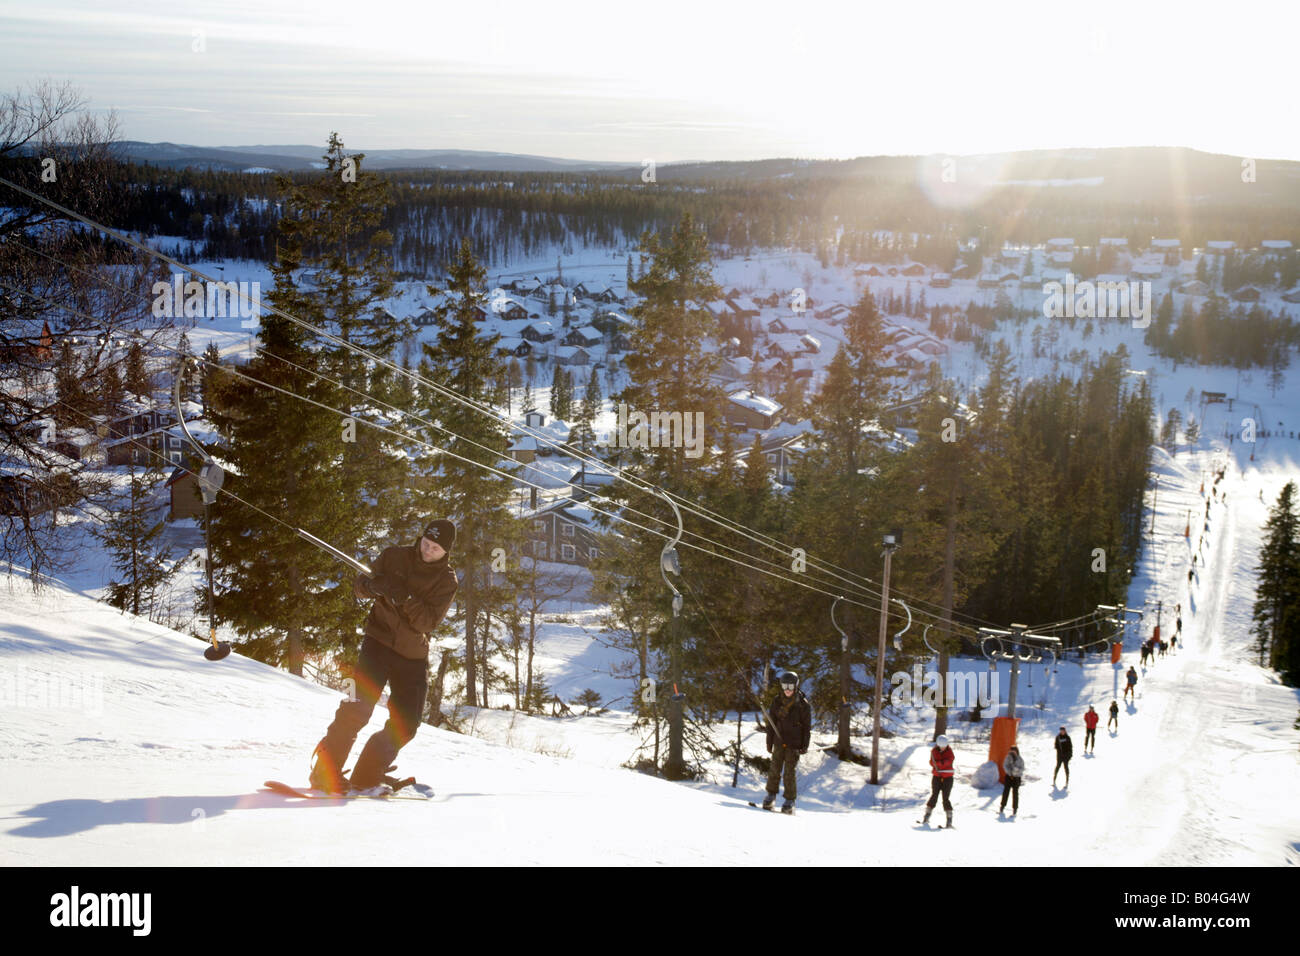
(122, 745)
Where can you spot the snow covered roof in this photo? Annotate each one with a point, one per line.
(759, 403)
(1220, 244)
(1275, 244)
(502, 302)
(1147, 268)
(1060, 243)
(1114, 241)
(592, 335)
(1061, 258)
(1166, 243)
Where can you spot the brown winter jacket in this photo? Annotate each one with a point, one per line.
(405, 627)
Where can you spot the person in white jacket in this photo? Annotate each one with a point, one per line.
(1014, 768)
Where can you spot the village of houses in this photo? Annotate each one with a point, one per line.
(584, 326)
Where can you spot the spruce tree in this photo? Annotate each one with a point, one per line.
(306, 466)
(131, 536)
(1276, 613)
(462, 488)
(136, 376)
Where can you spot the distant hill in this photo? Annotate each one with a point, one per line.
(290, 158)
(1141, 174)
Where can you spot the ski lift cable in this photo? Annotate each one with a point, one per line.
(482, 408)
(646, 487)
(490, 468)
(864, 592)
(468, 441)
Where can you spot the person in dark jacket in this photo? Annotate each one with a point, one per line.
(942, 767)
(1064, 751)
(412, 587)
(1132, 681)
(1114, 715)
(1014, 769)
(789, 731)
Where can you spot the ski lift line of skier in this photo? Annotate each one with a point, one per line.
(345, 414)
(706, 513)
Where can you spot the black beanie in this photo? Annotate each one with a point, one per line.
(442, 532)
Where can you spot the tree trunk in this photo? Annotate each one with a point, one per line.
(735, 776)
(471, 618)
(949, 571)
(295, 630)
(528, 670)
(435, 690)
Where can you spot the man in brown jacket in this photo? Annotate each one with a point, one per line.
(413, 586)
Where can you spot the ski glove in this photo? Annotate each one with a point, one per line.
(389, 586)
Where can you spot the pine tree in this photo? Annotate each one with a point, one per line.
(136, 378)
(310, 466)
(462, 488)
(672, 370)
(211, 361)
(582, 435)
(557, 390)
(1276, 612)
(131, 535)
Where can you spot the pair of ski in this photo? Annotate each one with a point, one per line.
(936, 826)
(391, 789)
(772, 809)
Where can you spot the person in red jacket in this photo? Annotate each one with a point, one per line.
(1090, 720)
(942, 762)
(413, 587)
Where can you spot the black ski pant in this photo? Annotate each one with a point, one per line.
(1011, 786)
(939, 785)
(1114, 719)
(1090, 738)
(786, 758)
(1062, 762)
(409, 686)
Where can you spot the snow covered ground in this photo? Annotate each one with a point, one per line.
(123, 745)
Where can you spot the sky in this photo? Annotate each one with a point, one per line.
(673, 80)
